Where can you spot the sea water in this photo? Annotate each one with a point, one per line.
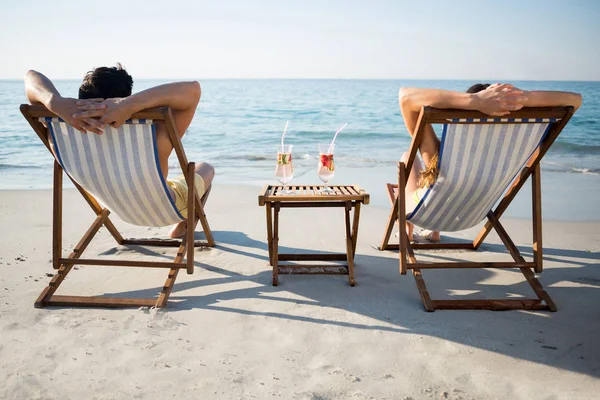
(238, 123)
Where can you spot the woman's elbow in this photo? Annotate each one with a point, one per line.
(405, 98)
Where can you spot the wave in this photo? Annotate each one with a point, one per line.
(553, 166)
(15, 166)
(585, 122)
(574, 148)
(368, 162)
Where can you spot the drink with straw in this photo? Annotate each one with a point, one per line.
(284, 171)
(326, 167)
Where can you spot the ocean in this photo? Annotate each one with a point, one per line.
(239, 122)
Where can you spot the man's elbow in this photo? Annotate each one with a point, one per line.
(577, 99)
(195, 91)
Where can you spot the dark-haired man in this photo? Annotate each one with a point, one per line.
(105, 98)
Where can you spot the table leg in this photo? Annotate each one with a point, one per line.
(270, 232)
(275, 257)
(355, 227)
(349, 245)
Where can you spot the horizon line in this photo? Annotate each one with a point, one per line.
(340, 79)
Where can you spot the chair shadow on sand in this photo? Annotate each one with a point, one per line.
(384, 296)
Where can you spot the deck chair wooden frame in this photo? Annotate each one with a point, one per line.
(408, 260)
(64, 265)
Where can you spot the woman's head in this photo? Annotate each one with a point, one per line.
(478, 87)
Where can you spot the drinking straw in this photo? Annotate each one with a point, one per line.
(333, 141)
(282, 136)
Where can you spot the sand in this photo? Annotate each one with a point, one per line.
(228, 334)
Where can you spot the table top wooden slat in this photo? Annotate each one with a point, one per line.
(311, 193)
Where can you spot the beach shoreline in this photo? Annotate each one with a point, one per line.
(227, 333)
(565, 196)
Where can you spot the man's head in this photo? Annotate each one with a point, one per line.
(478, 87)
(106, 83)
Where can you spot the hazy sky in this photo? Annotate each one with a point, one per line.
(458, 39)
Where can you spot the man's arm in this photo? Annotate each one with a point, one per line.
(540, 98)
(40, 90)
(181, 97)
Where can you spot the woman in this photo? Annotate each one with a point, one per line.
(496, 100)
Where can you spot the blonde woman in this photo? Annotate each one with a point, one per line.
(496, 100)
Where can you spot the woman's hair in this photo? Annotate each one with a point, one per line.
(478, 87)
(428, 175)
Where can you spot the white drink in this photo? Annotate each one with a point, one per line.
(284, 171)
(326, 168)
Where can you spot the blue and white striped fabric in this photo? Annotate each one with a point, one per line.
(119, 168)
(477, 163)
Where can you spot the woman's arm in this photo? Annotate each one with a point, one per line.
(497, 99)
(40, 90)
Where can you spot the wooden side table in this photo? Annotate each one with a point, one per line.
(308, 196)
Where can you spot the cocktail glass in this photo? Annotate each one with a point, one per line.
(326, 167)
(284, 171)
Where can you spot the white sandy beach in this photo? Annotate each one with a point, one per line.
(228, 334)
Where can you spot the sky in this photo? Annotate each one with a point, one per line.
(341, 39)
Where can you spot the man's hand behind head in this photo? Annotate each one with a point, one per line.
(67, 108)
(110, 111)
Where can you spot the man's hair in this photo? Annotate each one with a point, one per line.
(478, 87)
(106, 83)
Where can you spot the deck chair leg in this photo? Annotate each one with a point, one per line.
(536, 186)
(44, 298)
(46, 295)
(425, 298)
(489, 304)
(57, 216)
(538, 288)
(163, 297)
(403, 235)
(170, 282)
(191, 217)
(514, 252)
(97, 208)
(497, 305)
(204, 222)
(392, 218)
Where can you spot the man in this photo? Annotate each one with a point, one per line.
(496, 100)
(105, 98)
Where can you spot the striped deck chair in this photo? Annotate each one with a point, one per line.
(483, 161)
(117, 172)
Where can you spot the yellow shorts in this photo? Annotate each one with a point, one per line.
(180, 188)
